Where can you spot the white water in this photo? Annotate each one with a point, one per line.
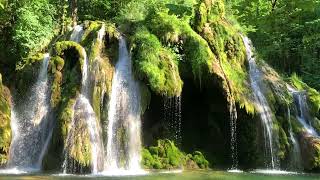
(296, 160)
(262, 106)
(123, 119)
(83, 110)
(303, 116)
(31, 126)
(270, 171)
(77, 33)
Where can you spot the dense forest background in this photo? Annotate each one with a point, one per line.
(285, 33)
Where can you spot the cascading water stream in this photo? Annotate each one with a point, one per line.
(77, 33)
(262, 106)
(172, 115)
(303, 116)
(233, 141)
(83, 110)
(296, 161)
(31, 125)
(124, 125)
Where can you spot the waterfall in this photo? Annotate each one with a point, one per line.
(124, 125)
(82, 110)
(296, 161)
(233, 141)
(32, 128)
(303, 116)
(172, 115)
(262, 106)
(77, 33)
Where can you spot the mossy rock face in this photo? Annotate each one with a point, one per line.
(67, 48)
(313, 97)
(90, 33)
(208, 11)
(215, 55)
(200, 160)
(167, 156)
(101, 75)
(194, 51)
(155, 65)
(310, 151)
(5, 128)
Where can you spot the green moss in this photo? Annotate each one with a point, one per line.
(283, 142)
(195, 50)
(208, 11)
(102, 72)
(201, 161)
(219, 54)
(167, 156)
(56, 64)
(61, 48)
(5, 128)
(155, 64)
(313, 95)
(227, 46)
(90, 33)
(164, 155)
(201, 17)
(310, 152)
(112, 31)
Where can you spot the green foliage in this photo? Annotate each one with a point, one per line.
(34, 26)
(167, 156)
(286, 34)
(93, 9)
(155, 64)
(199, 158)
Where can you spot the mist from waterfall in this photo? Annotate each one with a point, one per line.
(233, 129)
(124, 124)
(262, 106)
(31, 125)
(172, 116)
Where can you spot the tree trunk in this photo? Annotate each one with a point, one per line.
(74, 12)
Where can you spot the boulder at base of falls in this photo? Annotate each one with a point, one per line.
(310, 151)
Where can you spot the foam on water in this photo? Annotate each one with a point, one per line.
(272, 171)
(175, 171)
(235, 171)
(17, 170)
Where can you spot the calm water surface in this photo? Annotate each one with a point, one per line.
(187, 175)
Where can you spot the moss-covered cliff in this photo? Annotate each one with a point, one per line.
(196, 60)
(5, 127)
